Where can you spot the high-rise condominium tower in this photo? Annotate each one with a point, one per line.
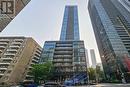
(126, 4)
(17, 6)
(111, 24)
(70, 26)
(93, 58)
(67, 54)
(87, 58)
(17, 55)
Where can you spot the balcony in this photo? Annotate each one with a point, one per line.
(63, 52)
(62, 65)
(29, 76)
(65, 45)
(32, 63)
(17, 43)
(4, 40)
(38, 51)
(62, 60)
(13, 46)
(1, 74)
(12, 50)
(35, 61)
(37, 54)
(58, 48)
(30, 67)
(10, 59)
(5, 63)
(3, 43)
(62, 56)
(35, 57)
(9, 54)
(28, 80)
(3, 47)
(19, 40)
(1, 51)
(3, 68)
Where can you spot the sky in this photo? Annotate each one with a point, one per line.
(42, 20)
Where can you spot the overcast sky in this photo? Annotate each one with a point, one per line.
(42, 20)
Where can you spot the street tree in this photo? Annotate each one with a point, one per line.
(99, 74)
(42, 72)
(92, 74)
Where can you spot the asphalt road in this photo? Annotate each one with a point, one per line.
(106, 85)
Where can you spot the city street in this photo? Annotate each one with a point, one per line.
(106, 85)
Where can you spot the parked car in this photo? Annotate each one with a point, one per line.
(53, 84)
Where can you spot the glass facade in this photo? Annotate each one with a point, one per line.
(67, 57)
(70, 26)
(67, 54)
(126, 4)
(47, 52)
(111, 29)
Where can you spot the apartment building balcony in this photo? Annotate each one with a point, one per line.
(12, 50)
(9, 54)
(62, 61)
(30, 67)
(19, 40)
(64, 45)
(38, 51)
(1, 51)
(29, 76)
(62, 56)
(1, 68)
(4, 40)
(13, 46)
(17, 43)
(1, 74)
(10, 59)
(3, 47)
(3, 43)
(31, 80)
(32, 63)
(66, 70)
(37, 54)
(63, 65)
(35, 61)
(35, 57)
(63, 52)
(4, 63)
(58, 48)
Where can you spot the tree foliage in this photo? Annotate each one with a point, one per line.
(99, 74)
(95, 74)
(92, 73)
(42, 71)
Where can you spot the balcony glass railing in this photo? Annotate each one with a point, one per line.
(7, 59)
(3, 63)
(14, 50)
(1, 74)
(4, 40)
(2, 47)
(12, 54)
(1, 68)
(13, 46)
(3, 43)
(63, 56)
